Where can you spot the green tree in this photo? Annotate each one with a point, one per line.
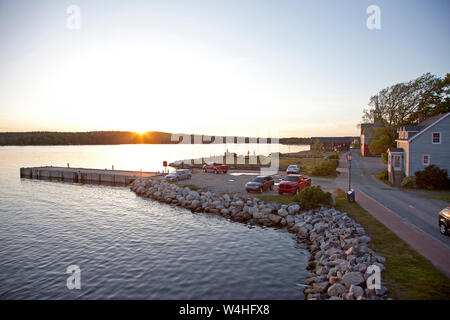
(317, 147)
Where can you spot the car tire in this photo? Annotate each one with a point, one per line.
(443, 228)
(279, 192)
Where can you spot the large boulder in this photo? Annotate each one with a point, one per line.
(282, 212)
(293, 209)
(274, 218)
(353, 278)
(336, 290)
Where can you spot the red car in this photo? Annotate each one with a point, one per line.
(215, 167)
(293, 183)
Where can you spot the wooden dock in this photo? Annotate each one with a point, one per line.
(83, 175)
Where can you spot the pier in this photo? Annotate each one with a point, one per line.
(83, 175)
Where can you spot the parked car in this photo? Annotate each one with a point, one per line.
(444, 220)
(180, 174)
(293, 184)
(260, 184)
(293, 169)
(215, 167)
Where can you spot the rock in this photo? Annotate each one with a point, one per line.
(353, 278)
(282, 212)
(336, 289)
(381, 291)
(290, 220)
(274, 218)
(293, 209)
(321, 286)
(356, 291)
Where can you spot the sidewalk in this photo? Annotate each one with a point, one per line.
(434, 251)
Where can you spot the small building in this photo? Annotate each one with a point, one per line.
(367, 130)
(420, 146)
(334, 143)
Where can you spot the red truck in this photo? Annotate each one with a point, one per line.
(215, 167)
(293, 183)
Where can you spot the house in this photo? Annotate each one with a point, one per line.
(420, 146)
(334, 143)
(367, 130)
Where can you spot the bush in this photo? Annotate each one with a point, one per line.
(409, 182)
(333, 156)
(326, 168)
(433, 178)
(313, 197)
(383, 175)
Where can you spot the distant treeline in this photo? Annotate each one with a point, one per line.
(115, 137)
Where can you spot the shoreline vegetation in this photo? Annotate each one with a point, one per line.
(46, 138)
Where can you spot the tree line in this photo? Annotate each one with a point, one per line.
(39, 138)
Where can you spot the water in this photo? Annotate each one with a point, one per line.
(128, 247)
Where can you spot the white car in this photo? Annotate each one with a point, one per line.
(180, 174)
(293, 168)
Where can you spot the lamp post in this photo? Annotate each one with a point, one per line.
(349, 159)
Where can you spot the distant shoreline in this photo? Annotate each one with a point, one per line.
(126, 137)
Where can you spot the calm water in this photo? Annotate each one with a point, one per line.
(128, 247)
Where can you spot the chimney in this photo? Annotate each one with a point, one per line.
(420, 117)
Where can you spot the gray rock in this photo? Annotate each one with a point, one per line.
(336, 289)
(274, 218)
(353, 278)
(356, 291)
(282, 212)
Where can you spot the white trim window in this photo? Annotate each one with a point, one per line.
(397, 162)
(436, 137)
(426, 160)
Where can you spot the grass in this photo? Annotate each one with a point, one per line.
(192, 187)
(277, 198)
(383, 176)
(408, 275)
(306, 165)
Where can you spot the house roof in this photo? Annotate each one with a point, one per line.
(428, 123)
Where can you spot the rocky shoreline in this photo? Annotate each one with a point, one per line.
(339, 252)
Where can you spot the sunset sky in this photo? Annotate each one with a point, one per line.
(255, 68)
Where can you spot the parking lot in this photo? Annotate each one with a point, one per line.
(232, 182)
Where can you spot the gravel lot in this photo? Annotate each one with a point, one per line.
(232, 182)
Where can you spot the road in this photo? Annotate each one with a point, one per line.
(410, 205)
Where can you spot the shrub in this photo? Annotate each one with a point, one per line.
(333, 156)
(409, 182)
(313, 197)
(326, 168)
(432, 177)
(383, 175)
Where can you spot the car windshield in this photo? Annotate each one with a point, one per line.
(291, 178)
(258, 179)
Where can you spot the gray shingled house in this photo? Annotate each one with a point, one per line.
(420, 146)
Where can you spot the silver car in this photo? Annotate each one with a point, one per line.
(180, 174)
(293, 168)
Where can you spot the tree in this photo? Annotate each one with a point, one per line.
(317, 147)
(402, 103)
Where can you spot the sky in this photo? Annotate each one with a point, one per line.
(245, 68)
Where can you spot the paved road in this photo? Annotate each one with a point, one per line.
(411, 206)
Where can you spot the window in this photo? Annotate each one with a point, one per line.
(436, 137)
(396, 161)
(426, 159)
